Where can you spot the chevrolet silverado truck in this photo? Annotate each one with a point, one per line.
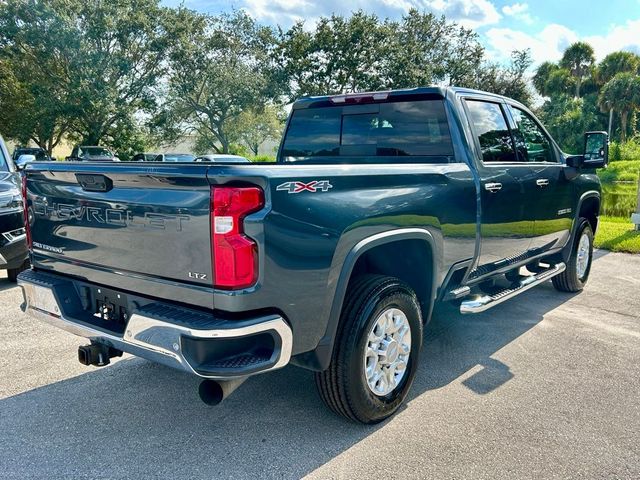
(378, 207)
(14, 256)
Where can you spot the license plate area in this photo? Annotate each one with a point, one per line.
(109, 307)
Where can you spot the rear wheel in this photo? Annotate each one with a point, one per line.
(376, 352)
(574, 278)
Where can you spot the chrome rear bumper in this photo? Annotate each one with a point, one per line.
(166, 334)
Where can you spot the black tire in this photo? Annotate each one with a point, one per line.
(570, 280)
(12, 273)
(513, 275)
(343, 386)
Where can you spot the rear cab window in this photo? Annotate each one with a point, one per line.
(394, 131)
(492, 131)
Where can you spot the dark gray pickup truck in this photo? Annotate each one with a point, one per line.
(332, 258)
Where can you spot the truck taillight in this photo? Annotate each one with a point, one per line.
(25, 210)
(235, 256)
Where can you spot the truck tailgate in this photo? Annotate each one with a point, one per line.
(148, 224)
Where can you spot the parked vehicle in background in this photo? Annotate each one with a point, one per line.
(221, 158)
(144, 157)
(14, 255)
(382, 205)
(175, 157)
(90, 153)
(40, 153)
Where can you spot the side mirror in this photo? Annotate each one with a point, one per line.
(23, 160)
(596, 150)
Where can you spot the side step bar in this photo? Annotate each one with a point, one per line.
(485, 302)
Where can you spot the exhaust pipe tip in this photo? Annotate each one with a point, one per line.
(210, 392)
(213, 392)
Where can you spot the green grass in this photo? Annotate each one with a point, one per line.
(618, 235)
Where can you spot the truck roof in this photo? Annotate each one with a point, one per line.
(435, 91)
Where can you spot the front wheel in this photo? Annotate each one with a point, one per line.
(376, 352)
(574, 278)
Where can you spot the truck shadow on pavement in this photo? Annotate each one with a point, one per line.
(135, 418)
(5, 284)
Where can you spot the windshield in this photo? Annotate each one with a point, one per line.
(178, 157)
(365, 132)
(3, 161)
(39, 153)
(94, 152)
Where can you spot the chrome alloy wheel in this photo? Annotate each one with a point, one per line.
(387, 353)
(583, 255)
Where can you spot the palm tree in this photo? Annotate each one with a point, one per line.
(622, 94)
(578, 59)
(617, 62)
(611, 65)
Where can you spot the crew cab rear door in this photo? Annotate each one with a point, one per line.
(506, 226)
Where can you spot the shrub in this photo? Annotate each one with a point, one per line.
(625, 151)
(263, 158)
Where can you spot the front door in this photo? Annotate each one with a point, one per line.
(506, 226)
(551, 191)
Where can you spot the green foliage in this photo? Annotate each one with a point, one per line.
(579, 60)
(621, 94)
(617, 62)
(217, 68)
(87, 67)
(624, 151)
(364, 53)
(263, 158)
(253, 127)
(567, 118)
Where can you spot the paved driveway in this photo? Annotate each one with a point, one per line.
(546, 386)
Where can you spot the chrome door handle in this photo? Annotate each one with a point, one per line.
(542, 182)
(493, 187)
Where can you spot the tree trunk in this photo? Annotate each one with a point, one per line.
(623, 126)
(610, 120)
(225, 144)
(254, 148)
(578, 82)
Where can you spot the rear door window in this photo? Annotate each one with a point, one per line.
(395, 129)
(491, 130)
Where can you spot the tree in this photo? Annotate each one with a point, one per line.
(96, 63)
(510, 81)
(617, 62)
(621, 94)
(579, 60)
(424, 49)
(253, 127)
(218, 68)
(541, 78)
(340, 55)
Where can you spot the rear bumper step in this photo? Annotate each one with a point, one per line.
(485, 302)
(177, 337)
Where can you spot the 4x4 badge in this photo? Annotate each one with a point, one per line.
(312, 186)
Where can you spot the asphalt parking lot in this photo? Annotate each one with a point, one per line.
(546, 386)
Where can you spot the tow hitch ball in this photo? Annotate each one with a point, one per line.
(97, 354)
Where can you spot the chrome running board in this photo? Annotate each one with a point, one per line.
(485, 302)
